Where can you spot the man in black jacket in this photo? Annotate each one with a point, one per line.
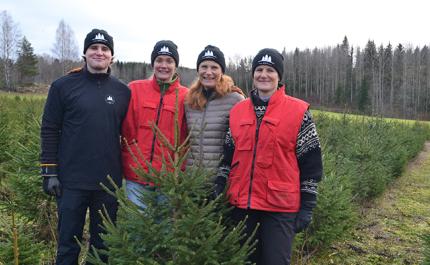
(80, 141)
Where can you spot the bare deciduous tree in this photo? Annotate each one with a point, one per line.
(65, 47)
(9, 38)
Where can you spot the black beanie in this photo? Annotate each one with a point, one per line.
(165, 47)
(270, 57)
(98, 36)
(212, 53)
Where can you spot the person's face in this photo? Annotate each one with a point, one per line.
(98, 57)
(266, 79)
(164, 68)
(209, 73)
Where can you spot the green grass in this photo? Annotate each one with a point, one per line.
(21, 95)
(391, 228)
(361, 117)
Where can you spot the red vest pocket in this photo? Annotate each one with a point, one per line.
(282, 195)
(147, 115)
(267, 142)
(245, 135)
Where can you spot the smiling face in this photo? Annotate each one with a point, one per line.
(98, 57)
(266, 80)
(209, 74)
(164, 68)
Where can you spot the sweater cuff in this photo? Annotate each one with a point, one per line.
(48, 170)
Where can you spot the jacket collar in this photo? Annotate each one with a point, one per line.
(171, 86)
(98, 76)
(274, 99)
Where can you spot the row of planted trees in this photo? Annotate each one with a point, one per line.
(377, 80)
(361, 156)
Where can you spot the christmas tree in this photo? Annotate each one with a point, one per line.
(185, 227)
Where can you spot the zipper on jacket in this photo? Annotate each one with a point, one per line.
(156, 123)
(257, 132)
(201, 134)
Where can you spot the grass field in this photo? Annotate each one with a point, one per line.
(391, 226)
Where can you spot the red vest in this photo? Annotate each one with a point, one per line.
(142, 112)
(265, 173)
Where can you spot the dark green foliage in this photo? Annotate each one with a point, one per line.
(29, 249)
(26, 63)
(370, 152)
(4, 139)
(361, 157)
(20, 187)
(22, 168)
(182, 228)
(426, 240)
(335, 213)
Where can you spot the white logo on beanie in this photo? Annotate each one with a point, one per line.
(164, 49)
(266, 58)
(99, 36)
(209, 53)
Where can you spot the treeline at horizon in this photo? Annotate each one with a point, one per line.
(389, 81)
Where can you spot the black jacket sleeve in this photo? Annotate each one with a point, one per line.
(50, 132)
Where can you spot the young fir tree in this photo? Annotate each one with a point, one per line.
(183, 228)
(26, 63)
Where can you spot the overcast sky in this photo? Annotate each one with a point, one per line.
(237, 27)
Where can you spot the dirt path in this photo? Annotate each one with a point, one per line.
(389, 232)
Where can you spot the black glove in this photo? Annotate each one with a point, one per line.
(304, 216)
(52, 186)
(218, 188)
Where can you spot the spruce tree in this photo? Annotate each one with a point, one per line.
(184, 228)
(26, 63)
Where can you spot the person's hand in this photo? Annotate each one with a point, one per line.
(52, 186)
(303, 219)
(304, 216)
(218, 188)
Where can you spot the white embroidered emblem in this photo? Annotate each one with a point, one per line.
(164, 49)
(99, 36)
(266, 58)
(110, 100)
